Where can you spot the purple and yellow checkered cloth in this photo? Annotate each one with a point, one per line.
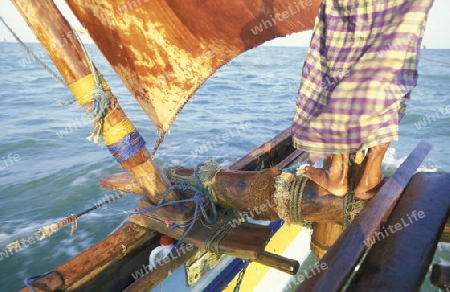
(359, 71)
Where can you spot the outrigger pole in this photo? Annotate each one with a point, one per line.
(118, 133)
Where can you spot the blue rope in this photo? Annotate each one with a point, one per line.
(183, 186)
(198, 198)
(127, 147)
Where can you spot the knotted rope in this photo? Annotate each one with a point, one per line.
(198, 188)
(352, 205)
(289, 188)
(42, 233)
(202, 198)
(212, 243)
(91, 93)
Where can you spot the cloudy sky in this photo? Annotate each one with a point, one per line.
(437, 34)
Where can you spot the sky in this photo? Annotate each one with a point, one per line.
(437, 34)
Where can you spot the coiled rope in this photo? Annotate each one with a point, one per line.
(289, 188)
(352, 206)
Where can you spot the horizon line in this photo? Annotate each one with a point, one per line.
(267, 44)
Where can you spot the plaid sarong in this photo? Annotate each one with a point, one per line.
(359, 71)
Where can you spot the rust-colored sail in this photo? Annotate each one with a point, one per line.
(163, 50)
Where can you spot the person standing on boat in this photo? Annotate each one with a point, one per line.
(356, 81)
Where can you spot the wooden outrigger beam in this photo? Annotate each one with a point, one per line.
(274, 151)
(318, 205)
(344, 255)
(50, 27)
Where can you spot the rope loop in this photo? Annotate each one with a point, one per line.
(209, 197)
(202, 197)
(289, 188)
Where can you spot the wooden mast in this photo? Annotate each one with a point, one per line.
(56, 36)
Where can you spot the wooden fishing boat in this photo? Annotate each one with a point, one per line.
(163, 51)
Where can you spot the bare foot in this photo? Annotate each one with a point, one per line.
(333, 178)
(370, 177)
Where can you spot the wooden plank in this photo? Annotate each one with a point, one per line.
(52, 282)
(120, 246)
(344, 255)
(293, 158)
(244, 240)
(273, 151)
(122, 181)
(394, 263)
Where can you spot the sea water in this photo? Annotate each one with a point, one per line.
(49, 170)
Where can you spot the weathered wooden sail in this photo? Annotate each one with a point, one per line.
(163, 50)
